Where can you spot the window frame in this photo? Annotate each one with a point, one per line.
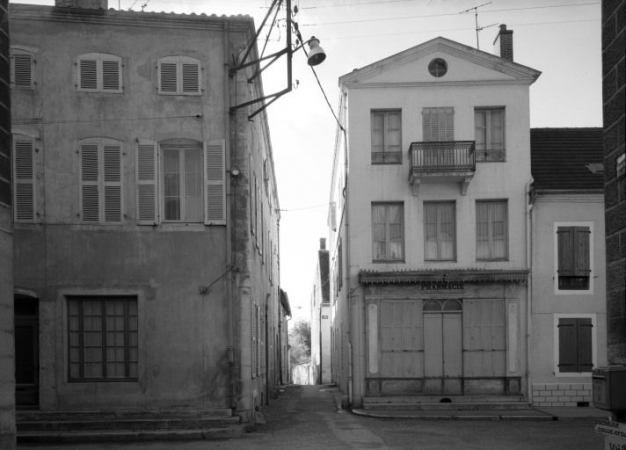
(180, 61)
(439, 231)
(490, 153)
(100, 59)
(17, 53)
(490, 226)
(590, 290)
(128, 347)
(386, 156)
(388, 258)
(557, 343)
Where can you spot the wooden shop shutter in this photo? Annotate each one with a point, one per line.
(215, 186)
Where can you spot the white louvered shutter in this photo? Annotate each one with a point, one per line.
(112, 183)
(168, 77)
(88, 74)
(22, 71)
(24, 190)
(111, 79)
(215, 186)
(147, 209)
(191, 78)
(90, 198)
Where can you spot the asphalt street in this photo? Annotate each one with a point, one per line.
(306, 418)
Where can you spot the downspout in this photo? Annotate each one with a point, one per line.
(229, 218)
(528, 201)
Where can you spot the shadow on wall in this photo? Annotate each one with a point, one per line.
(304, 373)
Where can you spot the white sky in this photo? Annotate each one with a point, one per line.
(560, 38)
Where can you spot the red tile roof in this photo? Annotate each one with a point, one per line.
(567, 158)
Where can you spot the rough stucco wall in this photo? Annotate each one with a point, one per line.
(7, 348)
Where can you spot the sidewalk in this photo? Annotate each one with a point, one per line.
(531, 414)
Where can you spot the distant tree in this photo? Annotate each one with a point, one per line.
(300, 341)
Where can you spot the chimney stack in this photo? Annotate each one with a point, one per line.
(503, 44)
(83, 4)
(322, 243)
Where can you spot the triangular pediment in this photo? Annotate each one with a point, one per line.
(463, 65)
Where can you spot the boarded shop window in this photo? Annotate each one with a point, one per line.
(179, 75)
(491, 230)
(573, 258)
(99, 72)
(575, 345)
(437, 124)
(386, 137)
(489, 134)
(439, 231)
(101, 180)
(387, 231)
(103, 338)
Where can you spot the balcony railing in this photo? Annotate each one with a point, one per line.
(442, 161)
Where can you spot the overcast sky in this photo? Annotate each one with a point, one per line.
(560, 38)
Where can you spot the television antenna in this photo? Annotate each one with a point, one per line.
(478, 29)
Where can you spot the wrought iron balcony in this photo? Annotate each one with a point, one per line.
(437, 162)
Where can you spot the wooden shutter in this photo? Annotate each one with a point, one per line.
(215, 185)
(573, 251)
(190, 78)
(24, 187)
(88, 74)
(575, 345)
(112, 183)
(22, 70)
(89, 169)
(147, 198)
(437, 124)
(168, 77)
(111, 79)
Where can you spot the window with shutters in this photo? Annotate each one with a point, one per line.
(101, 180)
(386, 136)
(573, 258)
(492, 230)
(103, 338)
(437, 124)
(439, 231)
(99, 72)
(387, 232)
(24, 186)
(193, 183)
(489, 134)
(179, 75)
(574, 344)
(22, 69)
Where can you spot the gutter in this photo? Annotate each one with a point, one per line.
(529, 201)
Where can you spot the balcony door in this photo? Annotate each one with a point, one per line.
(443, 347)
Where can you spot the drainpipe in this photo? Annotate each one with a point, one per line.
(229, 253)
(528, 201)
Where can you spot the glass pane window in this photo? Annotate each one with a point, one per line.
(102, 338)
(439, 231)
(492, 230)
(386, 137)
(387, 232)
(183, 183)
(489, 134)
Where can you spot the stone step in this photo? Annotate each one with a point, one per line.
(232, 431)
(126, 424)
(451, 403)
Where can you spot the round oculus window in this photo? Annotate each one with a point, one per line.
(438, 67)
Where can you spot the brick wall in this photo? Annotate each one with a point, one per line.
(562, 394)
(614, 99)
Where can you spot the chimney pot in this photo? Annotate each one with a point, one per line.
(322, 243)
